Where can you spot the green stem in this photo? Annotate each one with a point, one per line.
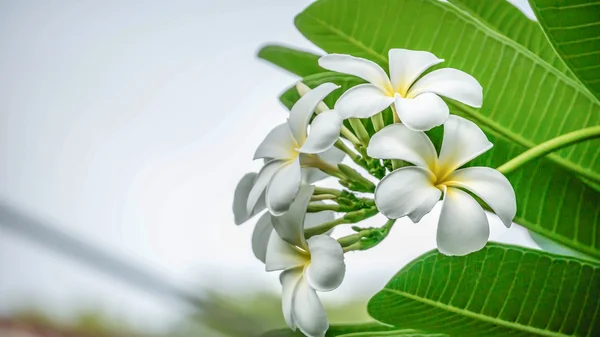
(314, 208)
(394, 113)
(360, 130)
(320, 197)
(316, 162)
(324, 227)
(356, 158)
(378, 122)
(549, 146)
(350, 136)
(323, 190)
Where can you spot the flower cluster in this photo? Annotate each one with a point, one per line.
(293, 235)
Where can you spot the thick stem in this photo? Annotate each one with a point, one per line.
(549, 146)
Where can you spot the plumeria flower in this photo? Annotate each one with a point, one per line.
(285, 146)
(416, 100)
(310, 175)
(413, 191)
(312, 265)
(264, 225)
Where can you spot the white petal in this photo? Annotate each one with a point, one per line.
(333, 156)
(362, 101)
(289, 280)
(304, 108)
(324, 131)
(463, 141)
(303, 89)
(365, 69)
(262, 180)
(396, 141)
(278, 144)
(260, 236)
(451, 83)
(491, 186)
(407, 191)
(463, 226)
(283, 187)
(281, 255)
(326, 269)
(309, 314)
(407, 65)
(240, 199)
(423, 112)
(290, 225)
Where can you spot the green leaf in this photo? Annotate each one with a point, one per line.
(526, 99)
(573, 28)
(301, 63)
(357, 330)
(509, 21)
(501, 290)
(551, 201)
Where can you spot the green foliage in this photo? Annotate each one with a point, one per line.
(526, 100)
(509, 21)
(573, 28)
(499, 291)
(298, 62)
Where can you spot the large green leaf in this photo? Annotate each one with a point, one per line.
(357, 330)
(301, 63)
(551, 201)
(499, 291)
(526, 99)
(508, 20)
(573, 28)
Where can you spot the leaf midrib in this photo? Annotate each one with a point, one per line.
(474, 315)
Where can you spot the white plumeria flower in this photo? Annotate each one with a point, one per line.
(285, 146)
(310, 175)
(316, 264)
(416, 101)
(413, 191)
(264, 225)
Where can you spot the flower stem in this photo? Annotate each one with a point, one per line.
(316, 162)
(549, 146)
(356, 158)
(314, 208)
(394, 113)
(350, 136)
(323, 190)
(378, 122)
(320, 197)
(360, 130)
(324, 227)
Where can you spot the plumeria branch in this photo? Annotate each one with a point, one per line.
(550, 146)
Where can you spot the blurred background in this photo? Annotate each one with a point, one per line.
(124, 129)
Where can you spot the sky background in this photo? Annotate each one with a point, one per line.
(128, 124)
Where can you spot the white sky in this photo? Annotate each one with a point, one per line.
(129, 123)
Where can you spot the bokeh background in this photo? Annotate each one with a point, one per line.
(126, 125)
